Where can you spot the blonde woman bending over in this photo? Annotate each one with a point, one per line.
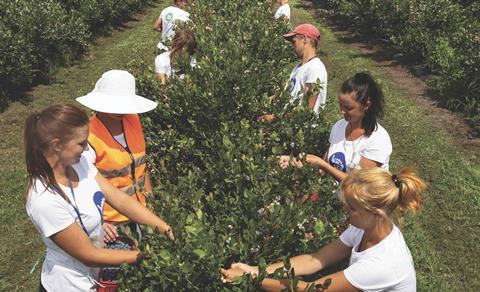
(379, 257)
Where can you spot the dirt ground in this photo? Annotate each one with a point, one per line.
(409, 76)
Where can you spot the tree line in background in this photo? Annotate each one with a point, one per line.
(443, 33)
(38, 36)
(215, 164)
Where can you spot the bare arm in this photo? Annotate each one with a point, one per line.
(162, 77)
(74, 241)
(308, 264)
(130, 207)
(158, 25)
(339, 283)
(305, 264)
(312, 96)
(336, 173)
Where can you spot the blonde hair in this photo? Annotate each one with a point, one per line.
(377, 189)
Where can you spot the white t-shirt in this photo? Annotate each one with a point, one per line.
(283, 10)
(50, 213)
(162, 65)
(387, 266)
(345, 155)
(310, 72)
(169, 16)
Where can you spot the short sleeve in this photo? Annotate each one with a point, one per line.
(316, 72)
(49, 213)
(378, 147)
(335, 131)
(352, 236)
(369, 274)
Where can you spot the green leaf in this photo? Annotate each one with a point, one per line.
(200, 253)
(319, 227)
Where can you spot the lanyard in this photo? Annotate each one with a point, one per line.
(75, 207)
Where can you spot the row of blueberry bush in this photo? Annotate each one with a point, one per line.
(38, 36)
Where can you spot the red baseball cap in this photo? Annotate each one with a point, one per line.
(305, 29)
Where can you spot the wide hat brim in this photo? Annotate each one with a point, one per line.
(117, 104)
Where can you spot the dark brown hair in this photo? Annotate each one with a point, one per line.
(56, 121)
(181, 40)
(366, 89)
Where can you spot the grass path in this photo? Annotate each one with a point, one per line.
(444, 238)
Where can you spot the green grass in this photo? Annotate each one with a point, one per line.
(443, 237)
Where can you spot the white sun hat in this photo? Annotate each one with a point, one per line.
(115, 93)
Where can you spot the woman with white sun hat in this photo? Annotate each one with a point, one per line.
(116, 141)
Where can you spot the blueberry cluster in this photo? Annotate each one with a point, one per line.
(118, 245)
(110, 274)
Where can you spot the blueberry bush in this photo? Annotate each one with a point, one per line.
(215, 164)
(38, 36)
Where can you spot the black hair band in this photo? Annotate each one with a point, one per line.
(397, 181)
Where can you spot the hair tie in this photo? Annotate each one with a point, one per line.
(396, 181)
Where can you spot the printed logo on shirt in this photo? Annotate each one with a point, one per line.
(293, 81)
(338, 161)
(99, 200)
(169, 17)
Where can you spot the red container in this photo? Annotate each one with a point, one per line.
(107, 286)
(112, 286)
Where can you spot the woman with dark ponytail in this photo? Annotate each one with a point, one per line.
(379, 257)
(65, 198)
(357, 141)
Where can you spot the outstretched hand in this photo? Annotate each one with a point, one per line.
(169, 233)
(237, 270)
(286, 160)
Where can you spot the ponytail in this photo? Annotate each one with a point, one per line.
(409, 192)
(377, 189)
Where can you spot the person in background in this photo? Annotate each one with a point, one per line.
(357, 141)
(183, 42)
(117, 145)
(166, 22)
(65, 198)
(379, 257)
(283, 11)
(310, 72)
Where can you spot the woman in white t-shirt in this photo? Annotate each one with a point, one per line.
(283, 10)
(357, 141)
(183, 42)
(65, 198)
(379, 257)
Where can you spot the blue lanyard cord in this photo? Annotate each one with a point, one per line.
(75, 207)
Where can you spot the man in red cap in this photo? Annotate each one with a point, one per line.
(311, 70)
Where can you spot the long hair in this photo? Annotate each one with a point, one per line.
(183, 40)
(56, 121)
(366, 89)
(376, 188)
